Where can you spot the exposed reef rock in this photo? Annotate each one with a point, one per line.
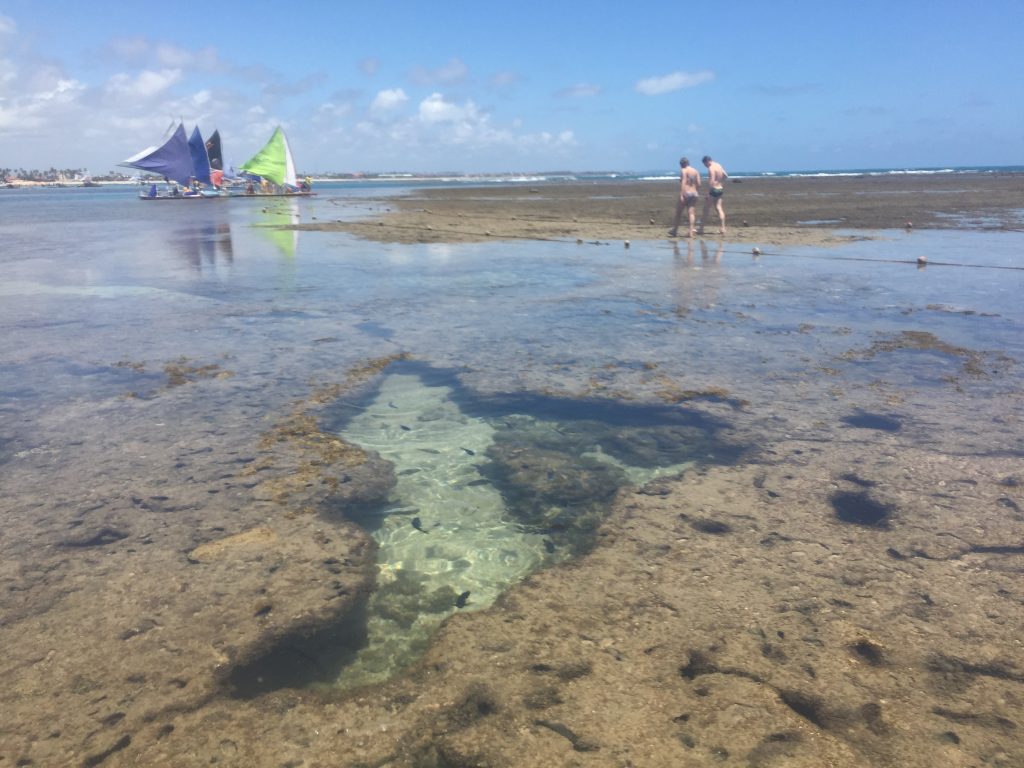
(782, 637)
(169, 596)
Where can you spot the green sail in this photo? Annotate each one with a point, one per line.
(273, 162)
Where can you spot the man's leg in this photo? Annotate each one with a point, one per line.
(721, 215)
(693, 216)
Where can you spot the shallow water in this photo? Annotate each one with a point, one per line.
(443, 533)
(145, 348)
(452, 535)
(101, 292)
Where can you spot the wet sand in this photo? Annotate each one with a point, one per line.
(763, 211)
(847, 594)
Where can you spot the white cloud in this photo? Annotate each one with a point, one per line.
(440, 121)
(143, 85)
(436, 109)
(579, 91)
(334, 111)
(7, 25)
(369, 66)
(446, 133)
(452, 73)
(41, 107)
(388, 100)
(50, 116)
(655, 86)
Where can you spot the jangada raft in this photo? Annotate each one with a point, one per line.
(193, 169)
(275, 165)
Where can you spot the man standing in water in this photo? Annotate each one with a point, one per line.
(689, 191)
(716, 188)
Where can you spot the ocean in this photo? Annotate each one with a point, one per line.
(654, 175)
(184, 385)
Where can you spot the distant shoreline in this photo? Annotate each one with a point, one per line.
(567, 177)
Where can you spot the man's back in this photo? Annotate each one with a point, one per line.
(716, 174)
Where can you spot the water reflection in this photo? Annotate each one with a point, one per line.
(719, 249)
(206, 247)
(275, 221)
(696, 282)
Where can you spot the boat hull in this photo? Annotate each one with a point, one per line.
(228, 197)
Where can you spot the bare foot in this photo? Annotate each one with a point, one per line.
(693, 232)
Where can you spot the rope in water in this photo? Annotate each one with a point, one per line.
(618, 222)
(876, 261)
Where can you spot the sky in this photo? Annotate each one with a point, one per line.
(474, 87)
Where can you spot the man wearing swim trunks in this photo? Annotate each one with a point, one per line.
(689, 191)
(716, 188)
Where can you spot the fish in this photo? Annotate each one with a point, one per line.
(469, 451)
(418, 525)
(403, 510)
(407, 429)
(578, 744)
(549, 545)
(461, 600)
(391, 404)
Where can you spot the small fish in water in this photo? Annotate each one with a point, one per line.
(430, 450)
(407, 429)
(391, 404)
(461, 600)
(404, 511)
(549, 545)
(418, 524)
(480, 481)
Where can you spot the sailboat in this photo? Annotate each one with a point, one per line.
(200, 160)
(178, 160)
(182, 160)
(172, 159)
(275, 164)
(216, 157)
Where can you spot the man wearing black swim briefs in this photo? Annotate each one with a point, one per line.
(716, 188)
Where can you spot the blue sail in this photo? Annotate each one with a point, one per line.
(200, 159)
(172, 160)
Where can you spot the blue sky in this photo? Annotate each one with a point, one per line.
(526, 86)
